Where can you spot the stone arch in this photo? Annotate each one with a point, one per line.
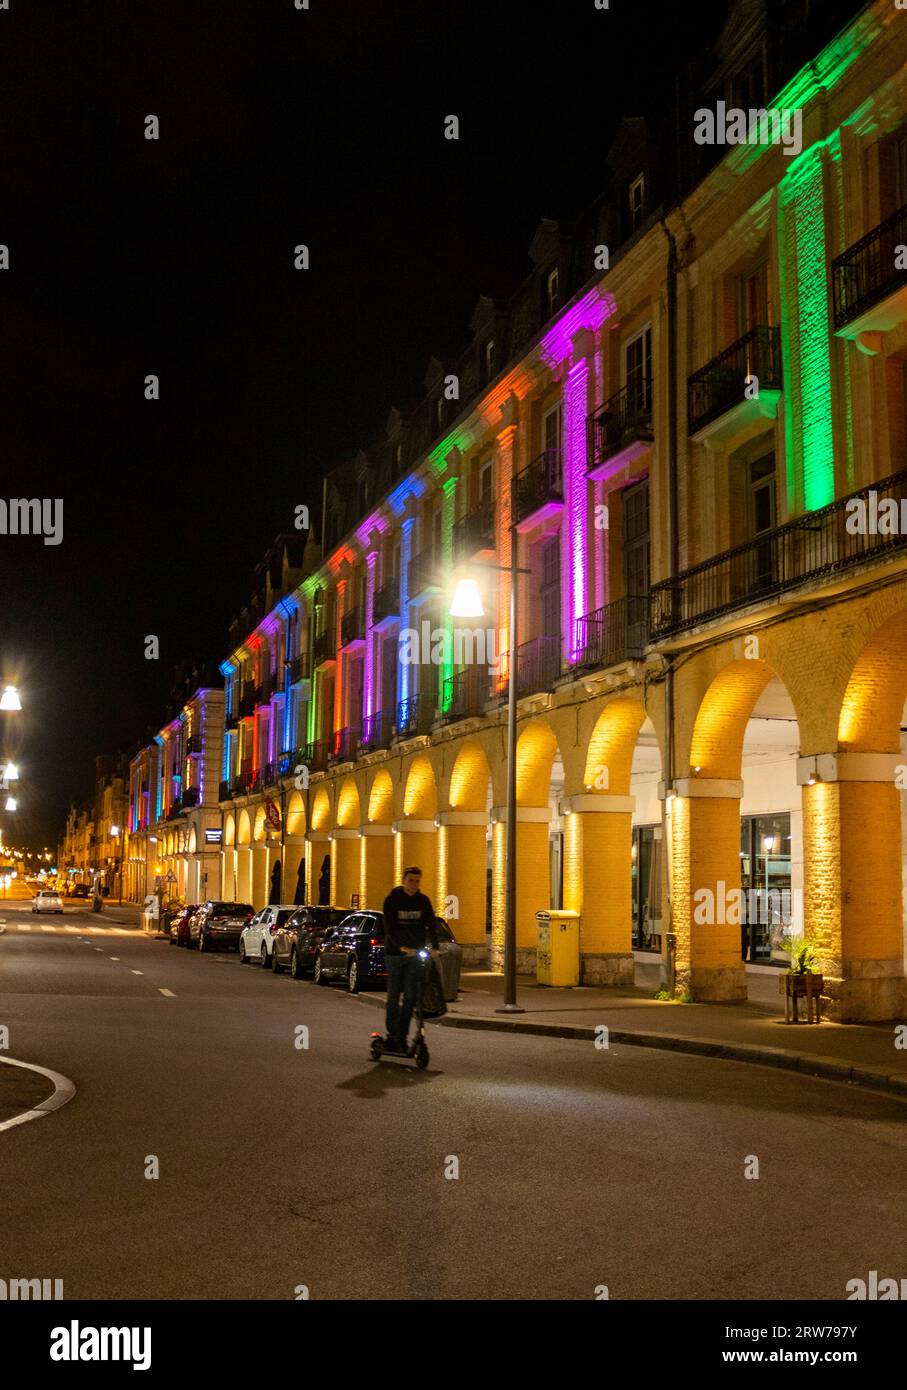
(381, 799)
(376, 844)
(870, 718)
(463, 849)
(244, 829)
(193, 840)
(716, 748)
(321, 809)
(420, 796)
(469, 779)
(229, 832)
(610, 755)
(348, 811)
(259, 832)
(535, 753)
(417, 839)
(296, 823)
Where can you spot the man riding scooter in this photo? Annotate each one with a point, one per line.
(409, 926)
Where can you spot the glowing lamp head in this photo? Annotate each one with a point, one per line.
(10, 803)
(11, 772)
(9, 700)
(467, 601)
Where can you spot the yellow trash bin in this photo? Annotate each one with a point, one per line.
(557, 954)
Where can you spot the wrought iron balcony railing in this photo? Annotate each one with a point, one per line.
(540, 482)
(193, 745)
(538, 665)
(376, 732)
(225, 791)
(817, 544)
(415, 715)
(613, 634)
(344, 745)
(386, 603)
(190, 797)
(316, 756)
(423, 572)
(719, 386)
(323, 647)
(866, 273)
(624, 419)
(465, 693)
(247, 701)
(297, 669)
(352, 627)
(475, 530)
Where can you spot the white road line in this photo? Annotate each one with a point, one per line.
(24, 926)
(114, 958)
(46, 928)
(64, 1091)
(99, 948)
(167, 992)
(137, 972)
(74, 930)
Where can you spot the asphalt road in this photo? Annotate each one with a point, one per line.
(281, 1167)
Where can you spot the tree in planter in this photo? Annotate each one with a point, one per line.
(802, 952)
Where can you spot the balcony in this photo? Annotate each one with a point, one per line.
(297, 669)
(538, 665)
(415, 715)
(352, 629)
(190, 797)
(817, 545)
(621, 430)
(344, 746)
(323, 650)
(717, 408)
(247, 702)
(616, 633)
(538, 492)
(386, 604)
(265, 689)
(869, 292)
(473, 534)
(315, 756)
(377, 730)
(466, 693)
(423, 575)
(225, 791)
(193, 745)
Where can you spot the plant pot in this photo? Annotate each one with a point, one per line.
(808, 986)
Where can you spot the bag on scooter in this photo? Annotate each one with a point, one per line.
(433, 1002)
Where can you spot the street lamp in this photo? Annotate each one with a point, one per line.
(9, 700)
(467, 603)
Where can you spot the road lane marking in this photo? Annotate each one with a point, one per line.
(137, 972)
(46, 928)
(99, 948)
(64, 1091)
(168, 992)
(74, 930)
(114, 958)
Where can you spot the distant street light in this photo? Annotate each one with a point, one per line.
(11, 773)
(10, 803)
(9, 700)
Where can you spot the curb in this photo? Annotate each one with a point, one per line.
(63, 1092)
(825, 1068)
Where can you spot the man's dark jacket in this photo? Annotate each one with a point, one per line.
(409, 920)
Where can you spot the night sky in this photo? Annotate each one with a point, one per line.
(175, 257)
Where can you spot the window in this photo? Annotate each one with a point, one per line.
(487, 363)
(755, 299)
(550, 592)
(551, 291)
(636, 199)
(551, 429)
(485, 482)
(765, 878)
(638, 372)
(636, 538)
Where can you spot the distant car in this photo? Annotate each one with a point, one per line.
(218, 924)
(354, 951)
(79, 890)
(179, 925)
(257, 937)
(297, 940)
(47, 900)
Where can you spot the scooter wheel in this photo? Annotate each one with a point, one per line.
(375, 1051)
(421, 1056)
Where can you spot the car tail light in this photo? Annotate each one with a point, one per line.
(373, 941)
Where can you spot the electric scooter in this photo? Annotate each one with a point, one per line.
(417, 1051)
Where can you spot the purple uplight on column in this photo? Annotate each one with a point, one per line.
(559, 348)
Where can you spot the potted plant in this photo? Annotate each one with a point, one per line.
(802, 980)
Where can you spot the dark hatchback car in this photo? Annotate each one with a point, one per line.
(354, 951)
(179, 925)
(296, 942)
(218, 924)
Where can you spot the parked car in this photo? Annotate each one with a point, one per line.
(354, 951)
(79, 890)
(47, 900)
(179, 925)
(218, 924)
(257, 936)
(296, 941)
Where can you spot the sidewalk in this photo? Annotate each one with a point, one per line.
(755, 1032)
(127, 915)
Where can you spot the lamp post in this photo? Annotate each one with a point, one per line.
(467, 603)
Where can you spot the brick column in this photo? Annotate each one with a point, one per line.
(345, 859)
(704, 840)
(533, 884)
(318, 844)
(416, 842)
(462, 875)
(376, 864)
(598, 884)
(852, 881)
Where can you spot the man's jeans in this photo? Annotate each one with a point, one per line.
(404, 974)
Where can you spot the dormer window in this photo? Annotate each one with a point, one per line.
(488, 361)
(551, 291)
(637, 199)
